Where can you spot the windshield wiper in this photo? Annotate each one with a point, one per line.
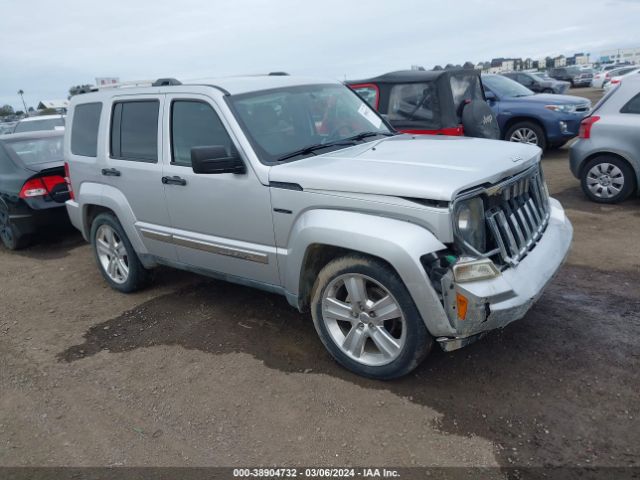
(347, 142)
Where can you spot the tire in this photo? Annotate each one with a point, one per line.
(607, 179)
(382, 346)
(527, 131)
(115, 256)
(479, 121)
(11, 238)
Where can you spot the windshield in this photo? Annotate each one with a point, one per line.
(543, 75)
(39, 125)
(282, 121)
(505, 87)
(38, 150)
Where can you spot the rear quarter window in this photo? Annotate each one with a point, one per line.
(84, 130)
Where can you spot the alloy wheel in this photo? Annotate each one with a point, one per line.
(605, 180)
(364, 319)
(112, 254)
(524, 135)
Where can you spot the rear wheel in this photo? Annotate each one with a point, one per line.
(527, 132)
(608, 179)
(367, 320)
(11, 237)
(116, 258)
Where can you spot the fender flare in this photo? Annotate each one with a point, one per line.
(95, 194)
(399, 243)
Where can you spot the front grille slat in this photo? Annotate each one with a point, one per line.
(519, 219)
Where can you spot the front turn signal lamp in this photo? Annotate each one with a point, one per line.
(475, 270)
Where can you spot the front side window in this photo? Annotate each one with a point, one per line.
(632, 106)
(134, 130)
(414, 104)
(369, 94)
(84, 130)
(195, 124)
(281, 121)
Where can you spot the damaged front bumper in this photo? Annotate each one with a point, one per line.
(496, 302)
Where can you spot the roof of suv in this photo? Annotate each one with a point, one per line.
(228, 85)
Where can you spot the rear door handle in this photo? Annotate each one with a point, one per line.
(110, 172)
(174, 181)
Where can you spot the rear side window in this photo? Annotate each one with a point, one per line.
(414, 104)
(134, 130)
(195, 124)
(632, 106)
(84, 130)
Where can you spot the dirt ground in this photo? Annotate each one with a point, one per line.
(195, 372)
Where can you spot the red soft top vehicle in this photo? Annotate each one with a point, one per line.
(444, 102)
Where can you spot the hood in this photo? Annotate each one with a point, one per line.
(552, 99)
(432, 167)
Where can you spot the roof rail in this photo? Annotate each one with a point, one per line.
(278, 74)
(160, 82)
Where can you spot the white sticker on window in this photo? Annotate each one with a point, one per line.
(371, 117)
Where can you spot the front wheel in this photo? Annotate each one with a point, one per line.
(527, 132)
(117, 261)
(367, 320)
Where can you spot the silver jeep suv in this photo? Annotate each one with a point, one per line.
(296, 186)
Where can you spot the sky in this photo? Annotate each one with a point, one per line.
(47, 46)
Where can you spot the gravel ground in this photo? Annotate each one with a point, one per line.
(194, 372)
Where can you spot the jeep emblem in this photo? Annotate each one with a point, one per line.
(516, 158)
(486, 120)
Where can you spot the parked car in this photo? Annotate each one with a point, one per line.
(40, 123)
(601, 78)
(606, 157)
(446, 102)
(538, 82)
(618, 79)
(545, 120)
(32, 185)
(297, 186)
(576, 76)
(7, 127)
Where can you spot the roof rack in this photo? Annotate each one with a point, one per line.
(160, 82)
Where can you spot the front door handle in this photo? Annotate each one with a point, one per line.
(174, 181)
(110, 172)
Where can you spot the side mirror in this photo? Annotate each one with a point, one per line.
(214, 160)
(490, 96)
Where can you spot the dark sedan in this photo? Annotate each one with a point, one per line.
(538, 82)
(32, 185)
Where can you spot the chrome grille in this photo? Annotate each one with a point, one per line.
(519, 216)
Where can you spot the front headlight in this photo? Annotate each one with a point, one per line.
(469, 223)
(561, 108)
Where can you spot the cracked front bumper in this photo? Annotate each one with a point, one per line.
(496, 302)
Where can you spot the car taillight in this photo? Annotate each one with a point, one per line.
(67, 178)
(615, 81)
(585, 126)
(39, 187)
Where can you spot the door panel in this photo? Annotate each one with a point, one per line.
(133, 166)
(220, 222)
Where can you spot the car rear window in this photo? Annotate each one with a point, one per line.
(134, 130)
(369, 94)
(39, 125)
(84, 130)
(465, 88)
(37, 150)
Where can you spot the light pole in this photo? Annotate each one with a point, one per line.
(21, 93)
